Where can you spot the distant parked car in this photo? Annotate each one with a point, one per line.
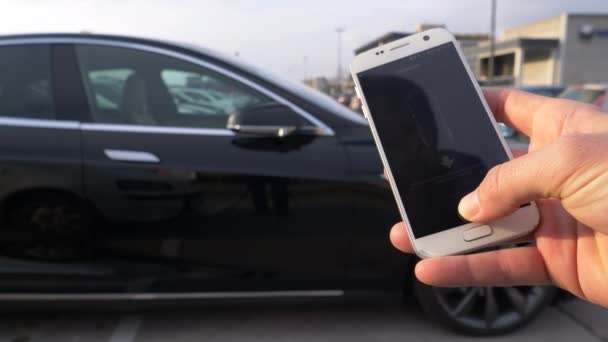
(116, 184)
(589, 93)
(550, 91)
(185, 97)
(344, 99)
(355, 105)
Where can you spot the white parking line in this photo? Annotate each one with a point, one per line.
(126, 329)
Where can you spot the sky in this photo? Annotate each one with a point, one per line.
(294, 38)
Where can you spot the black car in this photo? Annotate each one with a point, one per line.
(140, 170)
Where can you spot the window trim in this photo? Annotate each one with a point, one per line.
(39, 123)
(324, 129)
(101, 127)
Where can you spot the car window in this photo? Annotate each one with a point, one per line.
(25, 82)
(205, 95)
(127, 86)
(107, 86)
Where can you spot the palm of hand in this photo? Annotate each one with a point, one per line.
(575, 256)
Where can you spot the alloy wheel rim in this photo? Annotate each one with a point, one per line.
(59, 220)
(49, 231)
(490, 307)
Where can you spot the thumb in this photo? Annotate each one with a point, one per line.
(536, 175)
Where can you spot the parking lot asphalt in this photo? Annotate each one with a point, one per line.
(570, 321)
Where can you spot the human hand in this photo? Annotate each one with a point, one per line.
(566, 173)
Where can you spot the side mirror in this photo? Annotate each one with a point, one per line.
(271, 120)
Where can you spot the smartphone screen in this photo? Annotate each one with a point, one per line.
(435, 132)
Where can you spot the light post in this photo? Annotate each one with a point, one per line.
(492, 44)
(305, 67)
(339, 31)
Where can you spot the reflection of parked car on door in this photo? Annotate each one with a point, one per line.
(211, 101)
(110, 189)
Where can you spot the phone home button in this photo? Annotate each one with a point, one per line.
(476, 233)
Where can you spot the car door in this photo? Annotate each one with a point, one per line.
(190, 205)
(39, 163)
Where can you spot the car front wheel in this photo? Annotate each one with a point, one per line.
(483, 310)
(45, 226)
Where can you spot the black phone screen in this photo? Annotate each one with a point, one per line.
(437, 137)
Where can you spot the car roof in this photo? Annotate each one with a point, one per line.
(85, 35)
(118, 38)
(219, 58)
(185, 48)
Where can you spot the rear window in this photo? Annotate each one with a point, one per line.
(25, 82)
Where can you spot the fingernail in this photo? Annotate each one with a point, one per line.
(469, 206)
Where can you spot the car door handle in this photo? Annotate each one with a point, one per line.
(132, 156)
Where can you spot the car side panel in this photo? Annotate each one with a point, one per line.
(374, 264)
(34, 157)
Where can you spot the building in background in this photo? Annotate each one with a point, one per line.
(563, 50)
(558, 51)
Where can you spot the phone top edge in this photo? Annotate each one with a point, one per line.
(400, 48)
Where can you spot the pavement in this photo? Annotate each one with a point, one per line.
(569, 321)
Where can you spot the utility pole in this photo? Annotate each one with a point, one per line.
(305, 67)
(492, 44)
(339, 31)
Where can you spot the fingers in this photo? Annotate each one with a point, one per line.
(528, 238)
(540, 174)
(400, 239)
(520, 110)
(515, 108)
(506, 267)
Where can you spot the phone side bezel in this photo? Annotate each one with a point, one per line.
(441, 243)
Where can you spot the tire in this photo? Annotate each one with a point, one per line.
(47, 226)
(483, 311)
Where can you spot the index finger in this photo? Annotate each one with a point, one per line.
(525, 111)
(515, 108)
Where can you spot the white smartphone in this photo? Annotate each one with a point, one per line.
(437, 140)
